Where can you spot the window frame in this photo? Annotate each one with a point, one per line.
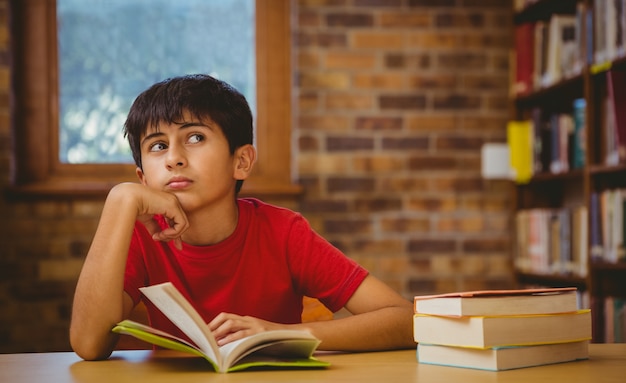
(36, 170)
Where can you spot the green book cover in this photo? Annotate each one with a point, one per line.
(277, 348)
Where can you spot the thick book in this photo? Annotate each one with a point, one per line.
(499, 331)
(499, 302)
(502, 358)
(276, 348)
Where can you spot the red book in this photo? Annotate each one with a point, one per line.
(616, 90)
(524, 48)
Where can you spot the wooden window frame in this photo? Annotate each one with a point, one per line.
(36, 169)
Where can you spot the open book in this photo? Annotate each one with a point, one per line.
(278, 348)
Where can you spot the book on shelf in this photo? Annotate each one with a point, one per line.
(562, 49)
(595, 235)
(540, 163)
(562, 128)
(540, 54)
(551, 241)
(557, 48)
(612, 203)
(500, 331)
(499, 302)
(616, 116)
(609, 33)
(524, 59)
(276, 348)
(520, 138)
(548, 51)
(579, 146)
(580, 235)
(614, 320)
(502, 358)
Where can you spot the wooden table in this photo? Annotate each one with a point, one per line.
(607, 363)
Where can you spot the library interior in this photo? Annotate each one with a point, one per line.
(446, 146)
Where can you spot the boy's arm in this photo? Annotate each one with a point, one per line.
(382, 320)
(100, 301)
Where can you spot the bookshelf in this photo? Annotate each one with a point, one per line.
(569, 217)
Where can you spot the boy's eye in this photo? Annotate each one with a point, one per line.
(157, 147)
(195, 138)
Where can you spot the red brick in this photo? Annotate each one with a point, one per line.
(403, 184)
(400, 19)
(378, 164)
(349, 143)
(457, 101)
(308, 143)
(377, 204)
(325, 205)
(429, 246)
(438, 204)
(349, 101)
(405, 225)
(321, 40)
(327, 122)
(410, 102)
(380, 81)
(378, 123)
(350, 226)
(408, 143)
(460, 20)
(459, 142)
(378, 40)
(350, 60)
(362, 185)
(486, 245)
(349, 20)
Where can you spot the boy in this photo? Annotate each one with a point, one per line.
(244, 264)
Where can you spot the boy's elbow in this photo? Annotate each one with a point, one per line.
(88, 347)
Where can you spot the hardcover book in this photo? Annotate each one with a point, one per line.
(499, 302)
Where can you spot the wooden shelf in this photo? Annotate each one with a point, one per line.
(542, 9)
(573, 189)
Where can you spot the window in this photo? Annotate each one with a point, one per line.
(109, 51)
(38, 168)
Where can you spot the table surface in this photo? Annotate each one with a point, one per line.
(607, 363)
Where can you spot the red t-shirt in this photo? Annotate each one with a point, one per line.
(272, 259)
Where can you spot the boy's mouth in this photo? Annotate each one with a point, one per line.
(178, 183)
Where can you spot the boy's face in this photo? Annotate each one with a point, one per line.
(192, 160)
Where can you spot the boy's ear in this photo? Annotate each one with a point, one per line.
(245, 157)
(140, 175)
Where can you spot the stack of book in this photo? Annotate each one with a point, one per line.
(501, 329)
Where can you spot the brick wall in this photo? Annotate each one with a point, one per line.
(395, 99)
(392, 101)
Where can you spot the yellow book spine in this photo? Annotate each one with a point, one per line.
(520, 140)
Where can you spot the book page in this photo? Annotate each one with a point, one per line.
(177, 309)
(286, 343)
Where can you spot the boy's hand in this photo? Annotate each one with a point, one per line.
(152, 202)
(228, 327)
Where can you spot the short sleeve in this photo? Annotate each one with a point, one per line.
(320, 269)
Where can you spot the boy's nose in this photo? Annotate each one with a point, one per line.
(175, 158)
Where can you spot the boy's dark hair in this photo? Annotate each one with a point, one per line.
(203, 97)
